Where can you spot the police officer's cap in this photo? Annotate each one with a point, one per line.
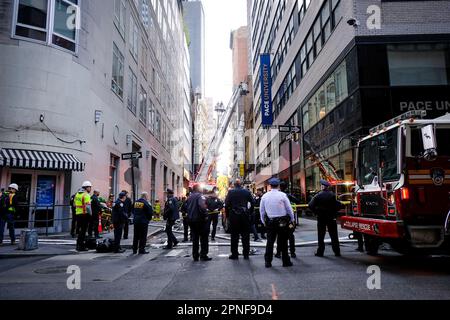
(274, 182)
(122, 194)
(169, 191)
(325, 183)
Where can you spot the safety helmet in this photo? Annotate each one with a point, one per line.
(86, 184)
(14, 186)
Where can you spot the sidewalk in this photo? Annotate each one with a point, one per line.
(64, 244)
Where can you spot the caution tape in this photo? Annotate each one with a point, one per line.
(305, 205)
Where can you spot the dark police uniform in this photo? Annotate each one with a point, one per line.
(325, 206)
(119, 217)
(214, 205)
(142, 215)
(96, 211)
(240, 217)
(184, 214)
(128, 207)
(171, 214)
(198, 221)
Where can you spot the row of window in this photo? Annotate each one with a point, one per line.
(319, 33)
(261, 33)
(53, 22)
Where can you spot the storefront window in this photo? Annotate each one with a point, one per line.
(416, 65)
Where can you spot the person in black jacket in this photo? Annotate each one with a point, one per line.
(171, 214)
(74, 229)
(142, 215)
(96, 212)
(325, 206)
(198, 221)
(184, 214)
(239, 206)
(128, 208)
(119, 217)
(214, 205)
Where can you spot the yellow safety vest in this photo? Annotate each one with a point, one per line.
(11, 208)
(82, 200)
(157, 208)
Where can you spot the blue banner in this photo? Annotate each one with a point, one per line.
(266, 91)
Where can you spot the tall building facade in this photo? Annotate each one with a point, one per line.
(82, 83)
(194, 18)
(338, 68)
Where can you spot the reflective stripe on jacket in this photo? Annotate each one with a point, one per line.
(82, 203)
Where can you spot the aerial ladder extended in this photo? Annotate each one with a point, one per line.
(216, 141)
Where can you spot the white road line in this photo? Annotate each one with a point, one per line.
(174, 253)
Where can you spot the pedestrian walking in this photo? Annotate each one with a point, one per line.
(119, 217)
(215, 205)
(198, 222)
(239, 206)
(128, 207)
(277, 215)
(142, 215)
(8, 207)
(325, 206)
(171, 214)
(83, 211)
(96, 213)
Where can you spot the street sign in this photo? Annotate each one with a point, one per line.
(284, 128)
(131, 155)
(289, 129)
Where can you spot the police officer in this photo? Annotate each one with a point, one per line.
(128, 208)
(119, 217)
(9, 203)
(184, 214)
(83, 211)
(214, 205)
(239, 206)
(142, 215)
(325, 206)
(291, 238)
(277, 215)
(258, 225)
(198, 221)
(171, 214)
(96, 212)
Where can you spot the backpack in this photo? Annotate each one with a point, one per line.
(105, 246)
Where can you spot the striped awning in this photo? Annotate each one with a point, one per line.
(33, 159)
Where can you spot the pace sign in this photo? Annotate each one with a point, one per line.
(266, 91)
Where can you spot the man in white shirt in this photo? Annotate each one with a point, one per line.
(277, 215)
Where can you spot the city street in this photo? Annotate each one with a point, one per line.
(172, 274)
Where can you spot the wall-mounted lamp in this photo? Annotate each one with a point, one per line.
(98, 114)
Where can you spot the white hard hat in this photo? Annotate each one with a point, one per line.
(86, 184)
(14, 186)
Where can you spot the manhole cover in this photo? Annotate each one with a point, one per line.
(107, 257)
(51, 270)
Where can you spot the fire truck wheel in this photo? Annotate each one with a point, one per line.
(371, 244)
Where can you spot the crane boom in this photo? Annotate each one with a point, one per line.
(216, 140)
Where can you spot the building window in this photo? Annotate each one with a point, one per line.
(134, 39)
(151, 117)
(144, 59)
(33, 21)
(132, 91)
(119, 16)
(145, 13)
(143, 106)
(117, 71)
(158, 126)
(418, 64)
(113, 170)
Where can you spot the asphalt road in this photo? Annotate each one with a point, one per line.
(172, 274)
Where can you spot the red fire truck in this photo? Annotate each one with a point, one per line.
(402, 196)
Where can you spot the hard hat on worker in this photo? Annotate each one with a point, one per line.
(14, 186)
(86, 184)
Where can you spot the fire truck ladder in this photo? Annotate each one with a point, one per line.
(216, 141)
(325, 166)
